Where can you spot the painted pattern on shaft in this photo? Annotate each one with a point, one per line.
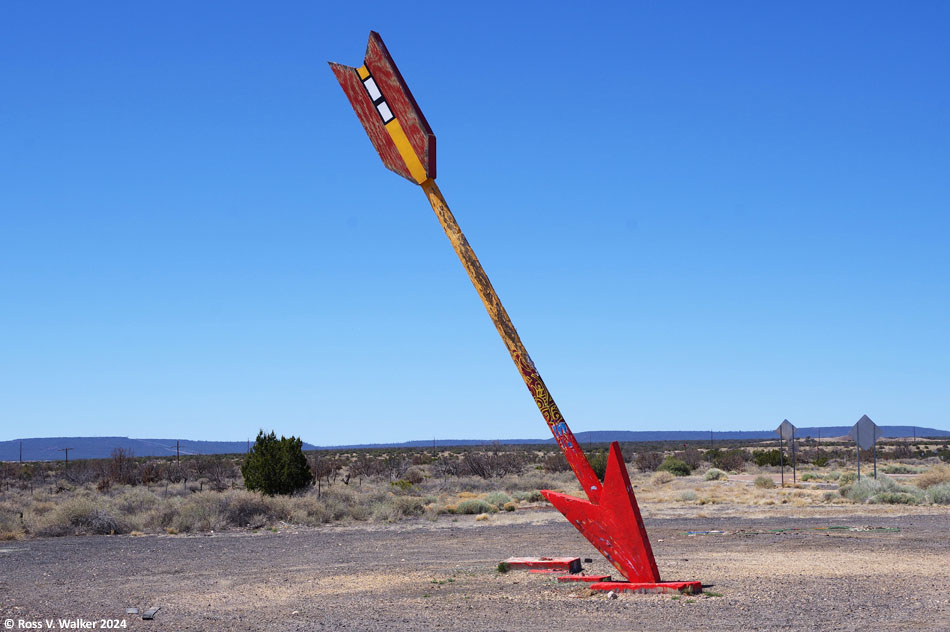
(532, 379)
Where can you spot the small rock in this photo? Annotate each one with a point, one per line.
(612, 595)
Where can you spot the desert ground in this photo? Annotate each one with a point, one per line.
(771, 568)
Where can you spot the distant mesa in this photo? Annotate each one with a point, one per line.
(48, 449)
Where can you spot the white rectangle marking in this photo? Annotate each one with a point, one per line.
(374, 92)
(385, 112)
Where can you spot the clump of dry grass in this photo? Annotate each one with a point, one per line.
(714, 474)
(764, 482)
(934, 476)
(499, 499)
(533, 496)
(475, 506)
(11, 522)
(939, 494)
(687, 496)
(200, 512)
(661, 478)
(81, 515)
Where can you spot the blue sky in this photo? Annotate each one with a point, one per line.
(699, 215)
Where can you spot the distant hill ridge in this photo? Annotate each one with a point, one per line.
(50, 449)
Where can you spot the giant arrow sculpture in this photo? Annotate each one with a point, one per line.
(610, 518)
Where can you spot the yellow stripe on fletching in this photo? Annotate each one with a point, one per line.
(362, 72)
(406, 151)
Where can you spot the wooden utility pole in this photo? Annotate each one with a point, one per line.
(66, 450)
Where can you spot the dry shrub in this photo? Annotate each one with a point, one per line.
(687, 496)
(135, 501)
(201, 512)
(882, 490)
(934, 476)
(11, 523)
(398, 507)
(42, 507)
(715, 474)
(309, 511)
(661, 478)
(336, 508)
(243, 508)
(80, 516)
(498, 499)
(648, 461)
(894, 498)
(533, 481)
(162, 516)
(764, 482)
(359, 511)
(409, 506)
(533, 496)
(475, 506)
(939, 494)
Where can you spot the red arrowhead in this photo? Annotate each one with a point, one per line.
(613, 524)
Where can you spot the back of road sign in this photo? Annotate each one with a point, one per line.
(864, 433)
(786, 430)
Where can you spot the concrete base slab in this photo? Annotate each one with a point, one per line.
(691, 588)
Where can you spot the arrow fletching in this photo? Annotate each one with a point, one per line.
(389, 113)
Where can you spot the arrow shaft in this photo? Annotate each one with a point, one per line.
(509, 335)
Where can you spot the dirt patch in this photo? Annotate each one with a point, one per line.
(784, 570)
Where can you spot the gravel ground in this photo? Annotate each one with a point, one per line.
(441, 576)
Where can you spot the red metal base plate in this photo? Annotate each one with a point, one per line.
(568, 564)
(651, 587)
(584, 578)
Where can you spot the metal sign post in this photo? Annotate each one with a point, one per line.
(786, 431)
(610, 517)
(794, 463)
(865, 434)
(781, 459)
